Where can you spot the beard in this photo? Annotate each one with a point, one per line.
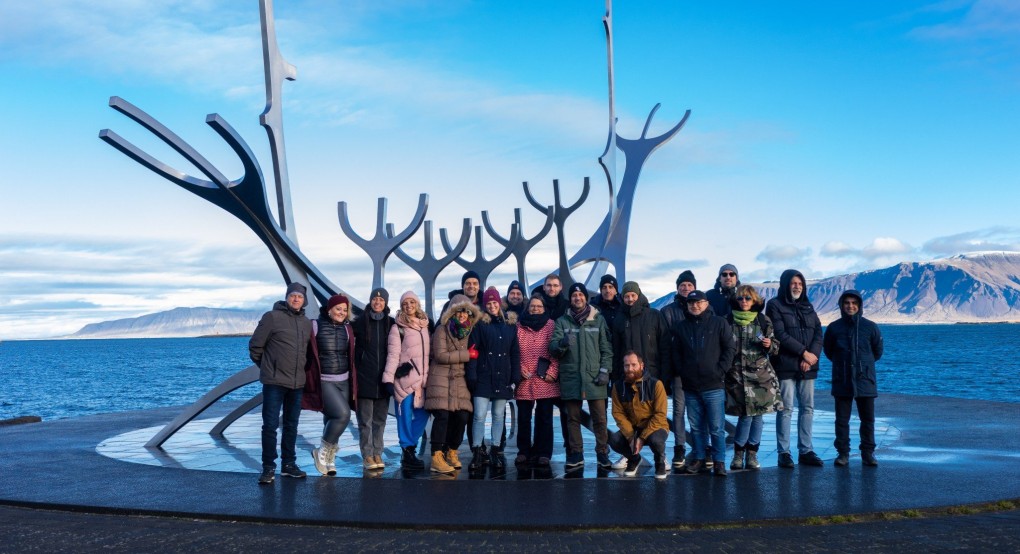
(796, 295)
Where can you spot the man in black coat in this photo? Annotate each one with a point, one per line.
(854, 344)
(608, 299)
(703, 351)
(674, 313)
(799, 332)
(556, 303)
(641, 328)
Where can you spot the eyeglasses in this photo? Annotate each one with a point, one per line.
(727, 274)
(745, 298)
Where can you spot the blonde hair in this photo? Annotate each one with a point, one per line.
(748, 290)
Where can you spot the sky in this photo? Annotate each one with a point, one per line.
(831, 137)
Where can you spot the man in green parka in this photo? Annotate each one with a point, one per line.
(581, 342)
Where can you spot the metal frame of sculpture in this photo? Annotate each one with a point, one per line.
(247, 199)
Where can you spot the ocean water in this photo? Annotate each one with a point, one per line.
(70, 378)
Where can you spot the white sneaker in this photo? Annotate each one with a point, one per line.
(621, 463)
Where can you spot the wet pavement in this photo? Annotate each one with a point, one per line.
(933, 452)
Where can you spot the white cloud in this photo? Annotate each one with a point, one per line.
(992, 238)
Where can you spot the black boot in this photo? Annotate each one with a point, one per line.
(477, 458)
(409, 460)
(496, 459)
(484, 453)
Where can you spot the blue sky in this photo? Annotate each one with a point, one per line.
(831, 137)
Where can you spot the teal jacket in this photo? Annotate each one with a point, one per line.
(588, 352)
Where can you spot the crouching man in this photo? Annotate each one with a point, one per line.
(639, 408)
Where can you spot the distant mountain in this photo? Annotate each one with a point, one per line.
(178, 322)
(979, 287)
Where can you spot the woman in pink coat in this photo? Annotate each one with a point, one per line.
(407, 371)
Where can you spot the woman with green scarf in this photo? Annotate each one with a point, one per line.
(752, 388)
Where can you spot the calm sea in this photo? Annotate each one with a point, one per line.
(69, 378)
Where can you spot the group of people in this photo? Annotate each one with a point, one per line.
(718, 352)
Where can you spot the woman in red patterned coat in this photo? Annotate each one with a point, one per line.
(539, 389)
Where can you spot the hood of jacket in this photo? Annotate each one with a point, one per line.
(784, 288)
(474, 312)
(860, 302)
(635, 309)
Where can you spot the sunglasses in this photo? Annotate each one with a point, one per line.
(745, 298)
(728, 274)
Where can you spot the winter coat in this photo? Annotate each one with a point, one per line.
(642, 329)
(752, 387)
(797, 327)
(703, 352)
(609, 309)
(853, 344)
(323, 360)
(721, 298)
(498, 367)
(589, 351)
(370, 348)
(535, 345)
(408, 342)
(674, 313)
(640, 406)
(280, 346)
(447, 386)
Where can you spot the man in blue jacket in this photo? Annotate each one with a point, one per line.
(854, 344)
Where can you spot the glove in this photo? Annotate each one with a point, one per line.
(603, 378)
(564, 342)
(389, 388)
(472, 352)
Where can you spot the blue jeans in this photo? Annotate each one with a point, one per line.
(275, 398)
(411, 422)
(708, 407)
(481, 406)
(748, 431)
(680, 434)
(805, 392)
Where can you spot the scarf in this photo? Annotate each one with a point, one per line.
(743, 319)
(535, 322)
(457, 329)
(582, 316)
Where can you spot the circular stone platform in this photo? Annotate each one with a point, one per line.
(933, 452)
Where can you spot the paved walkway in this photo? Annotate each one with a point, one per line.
(936, 452)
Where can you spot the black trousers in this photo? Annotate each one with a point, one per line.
(865, 412)
(656, 442)
(575, 444)
(448, 429)
(542, 445)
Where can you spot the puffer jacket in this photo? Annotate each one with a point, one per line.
(796, 326)
(498, 367)
(752, 387)
(280, 346)
(589, 351)
(408, 342)
(642, 329)
(371, 339)
(324, 360)
(447, 385)
(853, 344)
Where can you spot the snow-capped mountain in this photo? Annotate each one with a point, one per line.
(978, 287)
(178, 322)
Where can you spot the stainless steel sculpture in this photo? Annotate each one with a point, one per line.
(247, 199)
